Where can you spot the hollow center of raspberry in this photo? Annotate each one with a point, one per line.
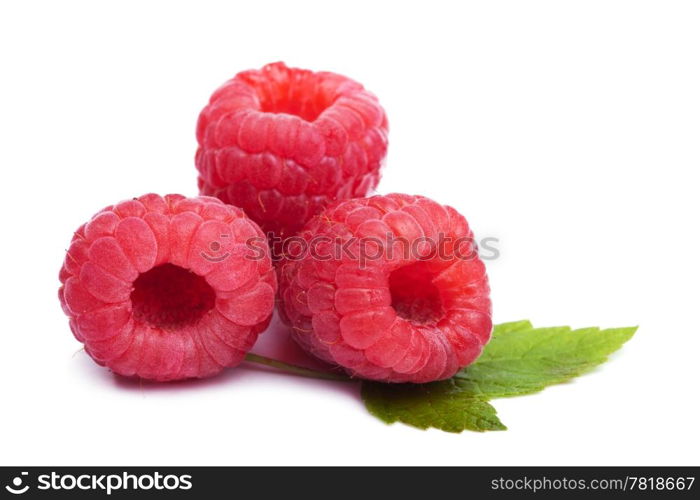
(171, 297)
(414, 296)
(300, 98)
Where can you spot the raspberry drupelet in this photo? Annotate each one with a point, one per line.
(389, 287)
(281, 142)
(168, 288)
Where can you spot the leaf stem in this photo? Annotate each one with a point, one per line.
(296, 370)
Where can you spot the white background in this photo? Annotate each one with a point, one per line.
(568, 130)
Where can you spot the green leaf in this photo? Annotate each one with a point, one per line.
(522, 360)
(512, 326)
(442, 405)
(518, 360)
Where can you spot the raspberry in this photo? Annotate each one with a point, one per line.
(389, 288)
(281, 142)
(168, 288)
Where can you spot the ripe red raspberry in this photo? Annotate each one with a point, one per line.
(388, 287)
(168, 288)
(280, 142)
